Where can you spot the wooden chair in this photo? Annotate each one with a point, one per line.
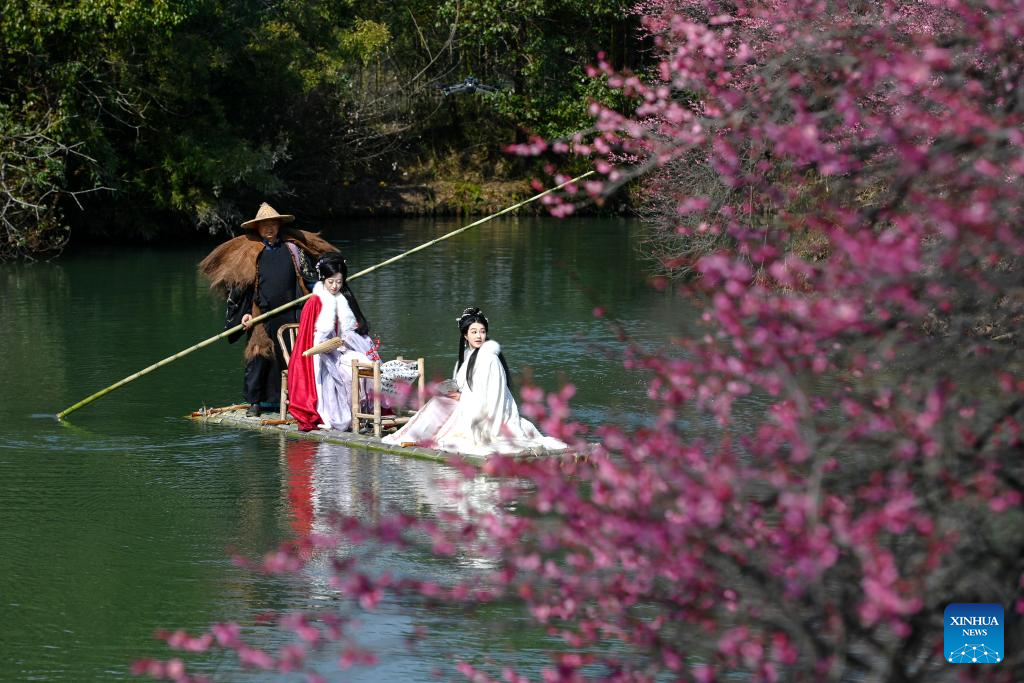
(286, 335)
(371, 371)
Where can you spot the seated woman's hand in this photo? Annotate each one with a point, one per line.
(447, 388)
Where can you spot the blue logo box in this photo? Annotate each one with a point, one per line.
(974, 633)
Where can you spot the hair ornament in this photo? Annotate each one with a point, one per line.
(470, 312)
(327, 258)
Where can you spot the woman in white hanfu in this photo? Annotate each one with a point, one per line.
(320, 387)
(480, 417)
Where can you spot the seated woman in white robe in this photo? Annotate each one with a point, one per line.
(481, 417)
(320, 386)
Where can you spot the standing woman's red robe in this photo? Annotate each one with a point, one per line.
(302, 396)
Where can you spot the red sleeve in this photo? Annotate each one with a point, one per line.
(301, 380)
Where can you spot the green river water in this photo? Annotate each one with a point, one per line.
(122, 520)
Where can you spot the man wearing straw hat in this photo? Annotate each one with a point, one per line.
(258, 271)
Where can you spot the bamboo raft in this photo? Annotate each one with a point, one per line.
(234, 416)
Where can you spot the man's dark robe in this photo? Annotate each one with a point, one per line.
(257, 277)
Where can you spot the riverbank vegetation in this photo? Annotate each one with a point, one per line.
(129, 121)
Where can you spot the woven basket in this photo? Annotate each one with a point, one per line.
(323, 347)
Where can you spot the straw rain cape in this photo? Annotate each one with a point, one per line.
(232, 267)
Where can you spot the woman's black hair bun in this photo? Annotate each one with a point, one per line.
(471, 312)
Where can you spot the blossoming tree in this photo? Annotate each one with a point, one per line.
(842, 183)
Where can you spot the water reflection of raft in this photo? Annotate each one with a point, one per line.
(234, 416)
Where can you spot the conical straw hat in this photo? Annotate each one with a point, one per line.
(324, 347)
(266, 213)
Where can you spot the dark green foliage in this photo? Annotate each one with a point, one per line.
(129, 120)
(538, 50)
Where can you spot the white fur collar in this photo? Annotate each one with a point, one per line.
(489, 346)
(334, 309)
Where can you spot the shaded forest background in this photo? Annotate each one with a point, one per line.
(131, 121)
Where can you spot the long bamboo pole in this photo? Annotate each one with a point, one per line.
(170, 359)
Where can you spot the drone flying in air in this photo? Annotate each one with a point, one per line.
(470, 86)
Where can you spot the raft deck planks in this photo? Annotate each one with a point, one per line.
(238, 418)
